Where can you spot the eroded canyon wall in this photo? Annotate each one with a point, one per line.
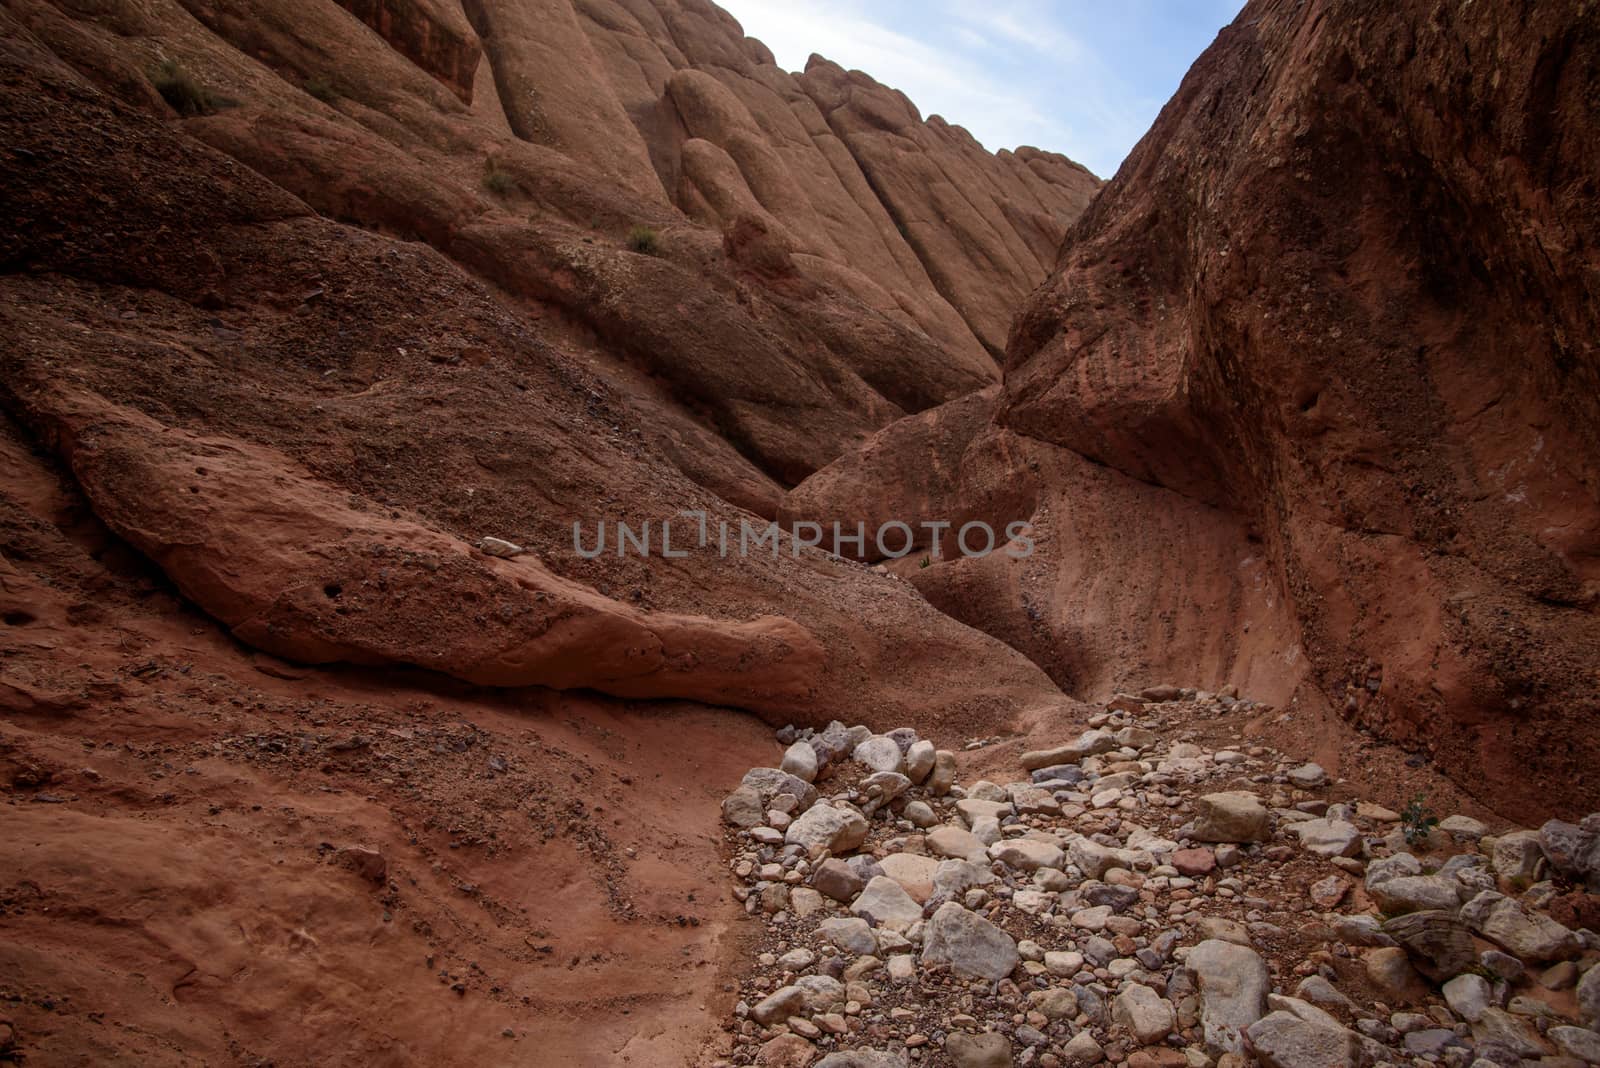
(1318, 367)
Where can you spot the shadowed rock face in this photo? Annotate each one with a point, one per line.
(1318, 367)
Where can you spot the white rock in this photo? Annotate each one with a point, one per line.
(886, 903)
(880, 753)
(1413, 893)
(1463, 827)
(1328, 838)
(505, 550)
(804, 901)
(949, 840)
(800, 760)
(1284, 1040)
(1589, 997)
(1577, 1042)
(1082, 1051)
(850, 933)
(919, 760)
(1233, 982)
(1308, 776)
(970, 944)
(913, 872)
(822, 826)
(1468, 995)
(1530, 936)
(973, 809)
(1231, 816)
(1064, 964)
(1028, 854)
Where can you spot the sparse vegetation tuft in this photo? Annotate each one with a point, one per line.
(321, 88)
(181, 91)
(497, 181)
(1416, 821)
(644, 240)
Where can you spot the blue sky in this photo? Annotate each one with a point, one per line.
(1082, 78)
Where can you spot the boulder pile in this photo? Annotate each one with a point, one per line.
(1134, 900)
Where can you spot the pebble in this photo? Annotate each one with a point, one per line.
(1140, 892)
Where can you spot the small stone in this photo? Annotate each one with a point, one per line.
(1232, 816)
(743, 808)
(1574, 850)
(1328, 837)
(1577, 1042)
(972, 809)
(770, 783)
(1092, 858)
(861, 1058)
(988, 1050)
(1530, 936)
(835, 828)
(920, 814)
(786, 1051)
(1563, 976)
(369, 864)
(1234, 983)
(804, 901)
(505, 550)
(1196, 863)
(949, 840)
(970, 944)
(1064, 964)
(1028, 854)
(1414, 893)
(1464, 827)
(886, 904)
(1284, 1040)
(880, 753)
(1468, 995)
(850, 933)
(1361, 931)
(1390, 970)
(1327, 893)
(1517, 856)
(1090, 743)
(1437, 942)
(913, 872)
(1501, 965)
(920, 760)
(781, 1004)
(943, 775)
(1082, 1051)
(797, 960)
(1513, 1032)
(1589, 998)
(800, 760)
(1147, 1015)
(1308, 776)
(837, 880)
(1054, 1003)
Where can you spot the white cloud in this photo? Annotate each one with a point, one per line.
(951, 78)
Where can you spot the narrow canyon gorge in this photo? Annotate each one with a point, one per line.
(331, 331)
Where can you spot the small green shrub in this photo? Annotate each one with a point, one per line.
(1416, 821)
(321, 88)
(644, 240)
(498, 181)
(180, 90)
(926, 562)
